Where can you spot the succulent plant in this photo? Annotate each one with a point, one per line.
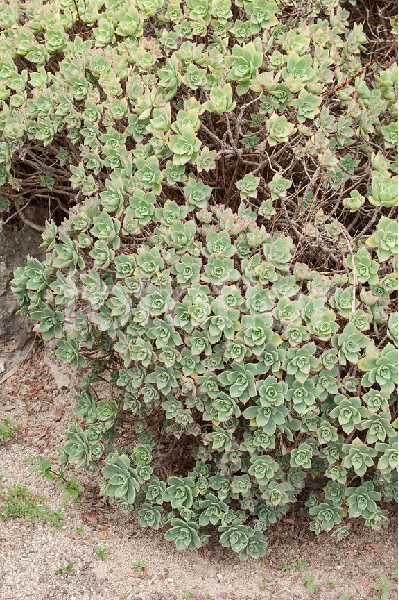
(227, 276)
(120, 479)
(184, 535)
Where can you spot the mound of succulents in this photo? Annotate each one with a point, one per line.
(226, 282)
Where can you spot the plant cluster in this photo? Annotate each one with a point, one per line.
(18, 502)
(70, 488)
(229, 280)
(7, 430)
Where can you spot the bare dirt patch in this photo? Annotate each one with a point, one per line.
(101, 554)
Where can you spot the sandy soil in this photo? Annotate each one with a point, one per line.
(299, 566)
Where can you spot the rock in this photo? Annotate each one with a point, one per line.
(64, 376)
(15, 330)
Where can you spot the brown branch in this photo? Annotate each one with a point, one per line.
(213, 136)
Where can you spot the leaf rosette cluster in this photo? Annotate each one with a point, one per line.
(202, 137)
